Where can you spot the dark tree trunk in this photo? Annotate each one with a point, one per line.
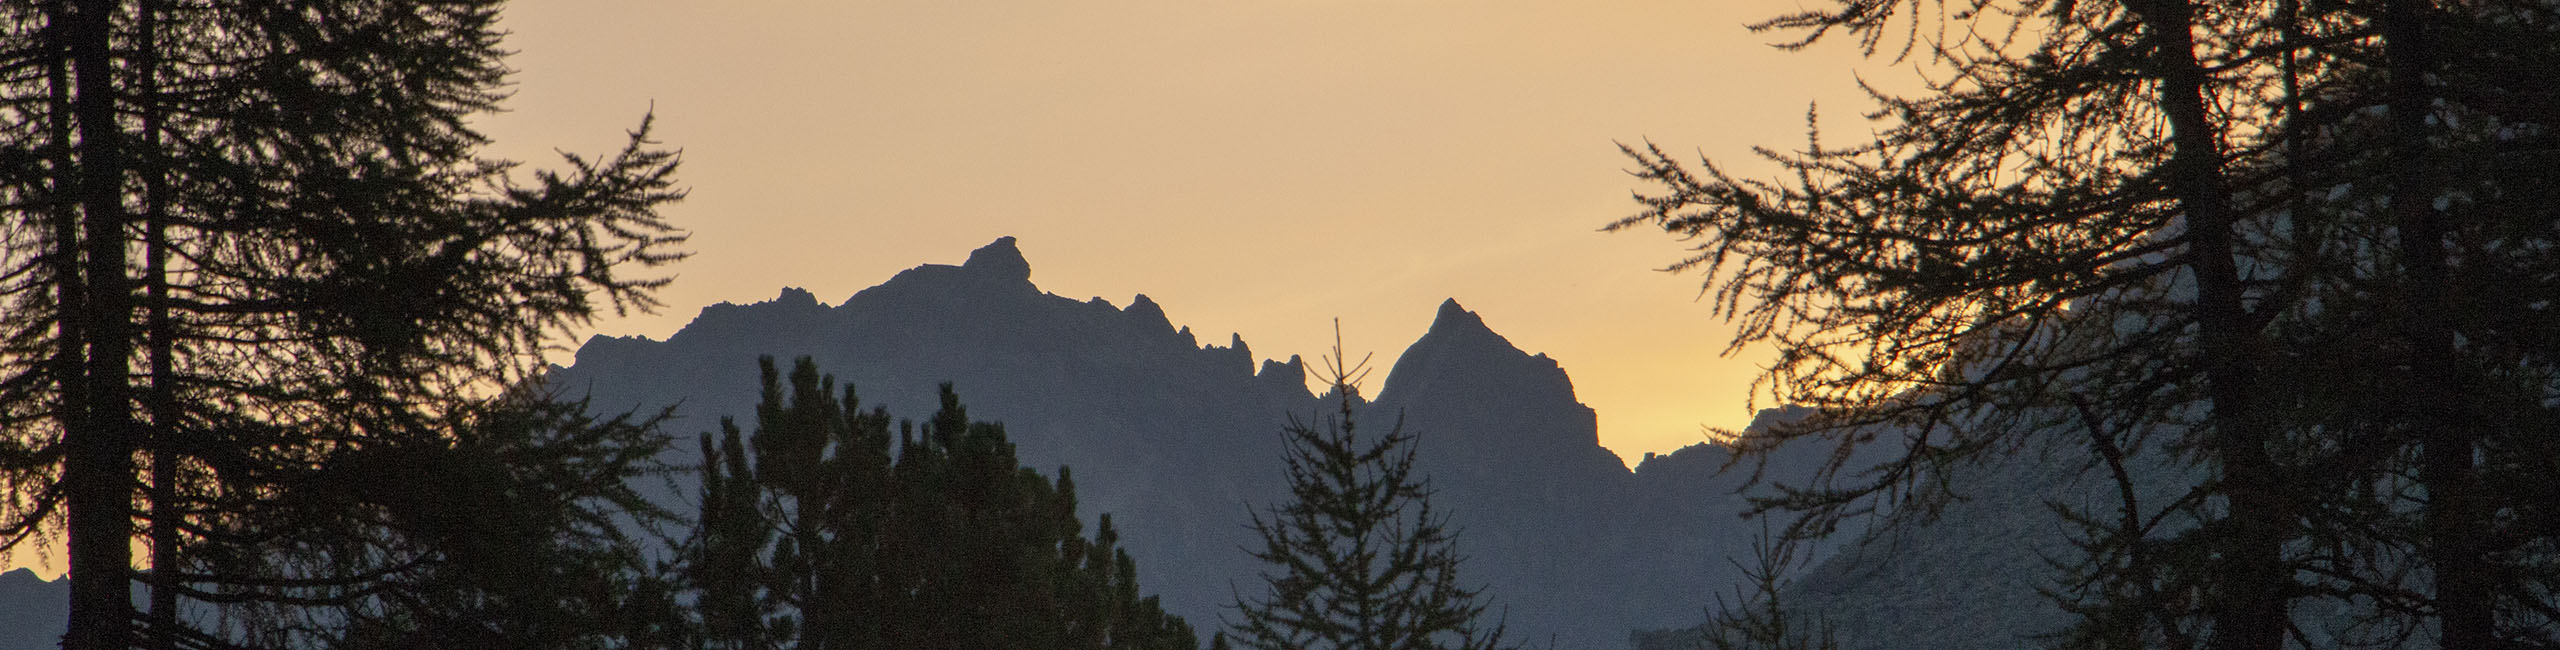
(98, 467)
(63, 250)
(2247, 603)
(159, 337)
(2431, 400)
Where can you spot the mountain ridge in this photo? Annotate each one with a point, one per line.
(1176, 438)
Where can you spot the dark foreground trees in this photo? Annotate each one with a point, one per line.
(246, 246)
(2282, 242)
(520, 529)
(1356, 560)
(813, 534)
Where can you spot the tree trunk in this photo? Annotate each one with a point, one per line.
(2431, 400)
(98, 475)
(160, 336)
(69, 364)
(2247, 603)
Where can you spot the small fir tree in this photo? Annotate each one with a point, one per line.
(1357, 559)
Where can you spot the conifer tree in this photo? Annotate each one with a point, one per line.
(519, 528)
(246, 243)
(1357, 560)
(1757, 617)
(814, 535)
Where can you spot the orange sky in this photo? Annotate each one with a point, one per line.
(1255, 166)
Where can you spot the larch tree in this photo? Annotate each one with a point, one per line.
(248, 245)
(2218, 233)
(2440, 320)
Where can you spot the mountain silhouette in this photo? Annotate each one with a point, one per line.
(1974, 576)
(1176, 439)
(32, 610)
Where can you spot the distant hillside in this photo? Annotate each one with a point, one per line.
(1970, 579)
(1967, 581)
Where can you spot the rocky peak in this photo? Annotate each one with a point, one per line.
(1149, 314)
(797, 298)
(996, 269)
(1459, 353)
(1463, 376)
(793, 310)
(1288, 378)
(999, 261)
(1455, 320)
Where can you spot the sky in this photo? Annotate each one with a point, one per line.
(1259, 167)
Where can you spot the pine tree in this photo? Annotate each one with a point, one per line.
(521, 526)
(721, 562)
(814, 535)
(1357, 560)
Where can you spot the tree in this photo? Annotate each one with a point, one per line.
(521, 530)
(326, 272)
(2135, 228)
(1922, 284)
(814, 535)
(1758, 619)
(1357, 560)
(2464, 181)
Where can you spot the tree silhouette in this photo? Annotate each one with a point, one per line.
(517, 530)
(1356, 560)
(813, 535)
(326, 272)
(2247, 236)
(1757, 619)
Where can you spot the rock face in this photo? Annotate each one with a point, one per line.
(1176, 439)
(1544, 508)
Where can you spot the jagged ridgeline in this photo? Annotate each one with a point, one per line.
(1174, 438)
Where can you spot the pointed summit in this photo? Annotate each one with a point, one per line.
(1454, 318)
(1149, 313)
(999, 261)
(1455, 328)
(1467, 377)
(1461, 356)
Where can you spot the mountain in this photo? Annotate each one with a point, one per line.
(1970, 578)
(32, 610)
(1176, 439)
(1153, 424)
